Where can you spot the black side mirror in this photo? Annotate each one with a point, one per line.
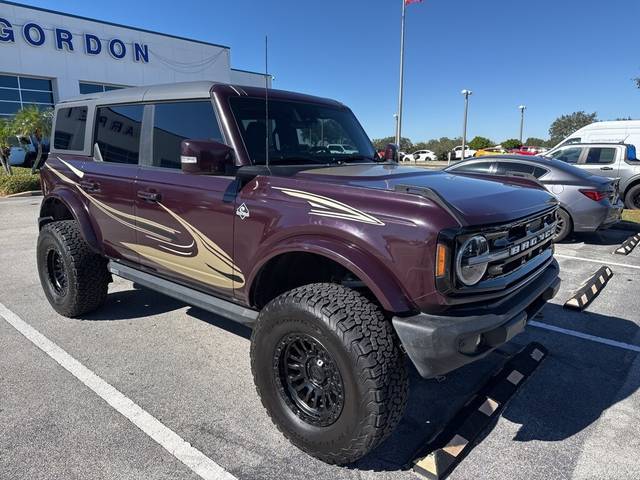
(391, 152)
(206, 157)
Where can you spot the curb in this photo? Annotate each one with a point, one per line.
(31, 193)
(590, 289)
(628, 245)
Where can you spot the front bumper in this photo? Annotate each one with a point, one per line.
(437, 344)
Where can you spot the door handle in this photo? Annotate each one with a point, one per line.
(90, 187)
(149, 196)
(606, 168)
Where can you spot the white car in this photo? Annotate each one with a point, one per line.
(422, 156)
(344, 149)
(20, 148)
(457, 152)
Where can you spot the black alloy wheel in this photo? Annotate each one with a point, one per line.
(309, 379)
(56, 272)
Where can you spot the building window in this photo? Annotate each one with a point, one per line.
(17, 92)
(86, 87)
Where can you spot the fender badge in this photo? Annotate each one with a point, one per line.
(242, 211)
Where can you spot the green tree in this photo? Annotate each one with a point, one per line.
(511, 144)
(419, 146)
(535, 142)
(479, 143)
(442, 146)
(381, 143)
(33, 122)
(6, 132)
(565, 125)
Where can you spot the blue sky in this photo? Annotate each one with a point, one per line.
(555, 56)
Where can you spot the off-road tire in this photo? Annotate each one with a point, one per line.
(364, 348)
(632, 198)
(566, 227)
(85, 272)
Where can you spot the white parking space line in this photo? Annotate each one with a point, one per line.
(586, 336)
(582, 259)
(193, 458)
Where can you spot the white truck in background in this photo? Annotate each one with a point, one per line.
(619, 131)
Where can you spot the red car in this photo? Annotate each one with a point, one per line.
(525, 150)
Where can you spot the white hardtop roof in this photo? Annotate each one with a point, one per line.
(169, 91)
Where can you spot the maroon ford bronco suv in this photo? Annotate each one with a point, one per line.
(341, 262)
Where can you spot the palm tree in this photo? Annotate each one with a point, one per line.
(36, 123)
(6, 132)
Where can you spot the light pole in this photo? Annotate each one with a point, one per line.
(522, 109)
(466, 94)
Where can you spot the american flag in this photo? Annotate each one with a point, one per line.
(409, 2)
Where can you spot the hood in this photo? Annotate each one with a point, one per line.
(478, 200)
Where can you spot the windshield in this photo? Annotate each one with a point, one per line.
(301, 133)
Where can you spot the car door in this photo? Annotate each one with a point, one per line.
(108, 179)
(185, 226)
(601, 161)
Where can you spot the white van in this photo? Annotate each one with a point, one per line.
(621, 131)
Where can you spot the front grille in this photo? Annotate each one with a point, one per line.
(514, 245)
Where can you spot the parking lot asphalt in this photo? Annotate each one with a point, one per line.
(577, 417)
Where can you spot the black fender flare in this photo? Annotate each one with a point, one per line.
(78, 211)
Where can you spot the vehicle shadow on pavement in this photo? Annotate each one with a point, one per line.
(431, 404)
(217, 321)
(131, 304)
(605, 237)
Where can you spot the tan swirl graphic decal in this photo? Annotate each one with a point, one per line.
(326, 207)
(201, 259)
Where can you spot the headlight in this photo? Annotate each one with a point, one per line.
(469, 268)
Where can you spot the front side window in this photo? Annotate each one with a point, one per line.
(300, 133)
(600, 156)
(175, 122)
(70, 128)
(118, 133)
(568, 155)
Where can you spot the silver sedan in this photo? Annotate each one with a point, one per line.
(587, 202)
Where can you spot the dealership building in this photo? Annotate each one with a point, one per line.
(48, 56)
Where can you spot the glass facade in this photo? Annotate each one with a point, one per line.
(86, 87)
(17, 92)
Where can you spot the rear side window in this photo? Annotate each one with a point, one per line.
(511, 168)
(118, 133)
(600, 156)
(71, 124)
(480, 167)
(175, 122)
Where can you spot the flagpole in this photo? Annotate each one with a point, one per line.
(399, 117)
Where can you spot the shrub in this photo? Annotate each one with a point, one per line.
(21, 181)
